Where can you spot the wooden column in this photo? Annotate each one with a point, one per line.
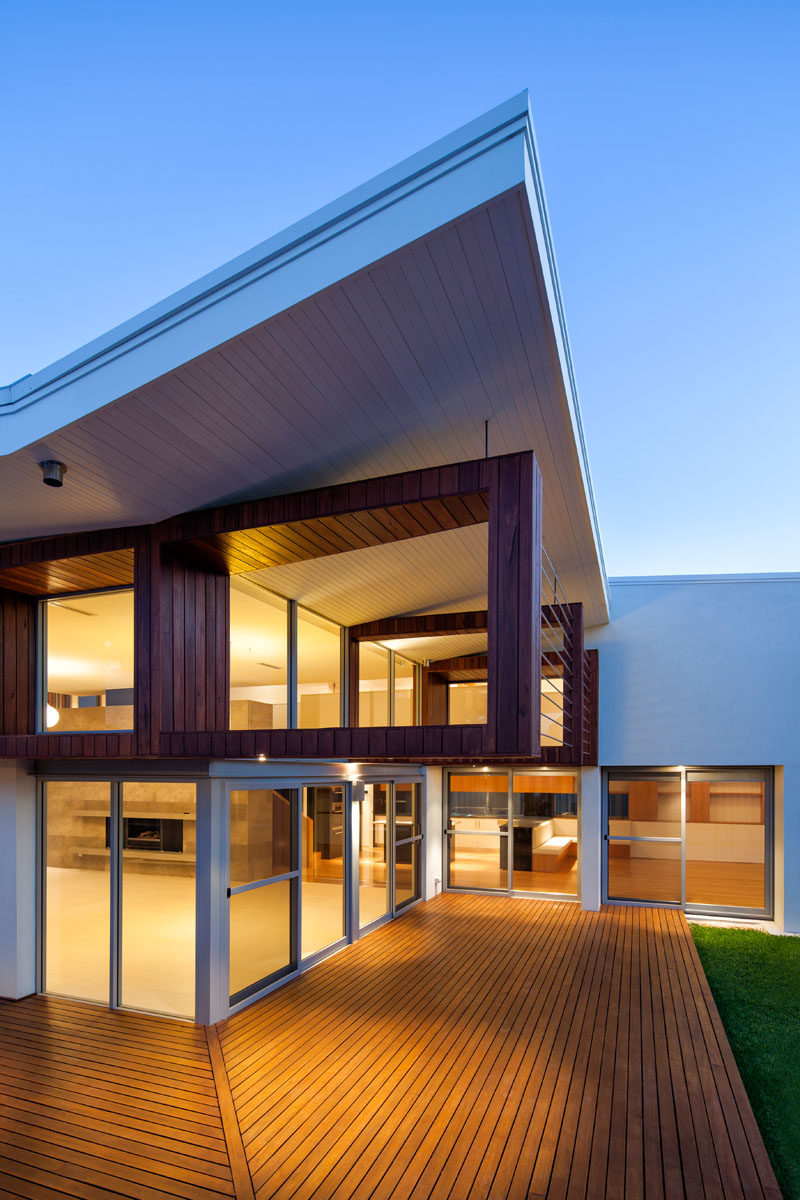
(17, 663)
(195, 646)
(515, 550)
(434, 698)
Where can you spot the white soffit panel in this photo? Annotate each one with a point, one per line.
(375, 336)
(441, 572)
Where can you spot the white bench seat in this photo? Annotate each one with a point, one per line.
(550, 855)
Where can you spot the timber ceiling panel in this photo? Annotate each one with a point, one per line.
(394, 368)
(441, 572)
(421, 650)
(87, 573)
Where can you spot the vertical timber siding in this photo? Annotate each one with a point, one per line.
(18, 663)
(195, 648)
(515, 585)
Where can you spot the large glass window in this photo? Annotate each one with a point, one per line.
(405, 691)
(88, 662)
(373, 685)
(263, 880)
(318, 671)
(467, 703)
(259, 640)
(322, 875)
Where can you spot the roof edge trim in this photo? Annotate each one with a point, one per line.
(382, 191)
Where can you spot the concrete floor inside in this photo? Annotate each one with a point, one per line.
(158, 934)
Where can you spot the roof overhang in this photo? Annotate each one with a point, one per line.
(376, 335)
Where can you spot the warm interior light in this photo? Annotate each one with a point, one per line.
(52, 716)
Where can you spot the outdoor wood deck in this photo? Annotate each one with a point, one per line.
(477, 1047)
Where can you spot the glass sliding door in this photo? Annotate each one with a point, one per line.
(323, 849)
(697, 838)
(644, 838)
(545, 833)
(76, 908)
(389, 830)
(477, 831)
(118, 905)
(407, 844)
(728, 840)
(373, 857)
(157, 935)
(263, 888)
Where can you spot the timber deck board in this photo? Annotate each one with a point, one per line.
(479, 1048)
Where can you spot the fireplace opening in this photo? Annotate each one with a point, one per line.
(157, 834)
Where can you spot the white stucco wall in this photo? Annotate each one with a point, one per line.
(705, 671)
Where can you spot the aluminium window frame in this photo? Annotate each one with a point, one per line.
(511, 770)
(720, 773)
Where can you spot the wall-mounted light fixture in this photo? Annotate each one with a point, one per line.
(53, 472)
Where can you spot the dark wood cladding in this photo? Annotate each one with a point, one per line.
(470, 668)
(435, 706)
(515, 547)
(408, 487)
(412, 743)
(425, 626)
(17, 664)
(182, 611)
(195, 647)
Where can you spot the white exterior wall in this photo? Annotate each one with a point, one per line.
(433, 829)
(705, 671)
(17, 881)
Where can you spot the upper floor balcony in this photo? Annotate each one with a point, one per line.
(409, 617)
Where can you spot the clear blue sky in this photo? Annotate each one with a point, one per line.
(144, 144)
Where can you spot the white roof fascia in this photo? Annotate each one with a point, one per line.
(435, 186)
(750, 577)
(534, 187)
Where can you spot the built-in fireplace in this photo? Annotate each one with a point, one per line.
(157, 834)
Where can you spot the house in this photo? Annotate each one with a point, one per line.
(317, 624)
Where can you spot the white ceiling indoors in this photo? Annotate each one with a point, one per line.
(375, 336)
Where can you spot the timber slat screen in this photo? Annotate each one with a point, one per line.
(476, 1048)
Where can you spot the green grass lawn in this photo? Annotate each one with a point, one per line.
(755, 978)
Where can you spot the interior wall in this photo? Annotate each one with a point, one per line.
(76, 824)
